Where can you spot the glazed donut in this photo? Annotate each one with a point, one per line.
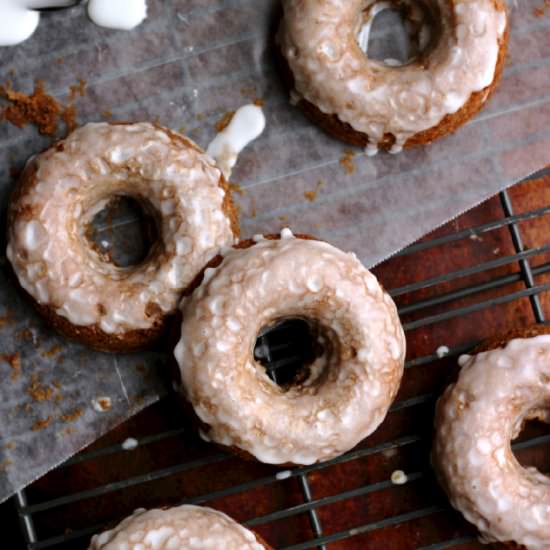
(345, 392)
(476, 419)
(90, 299)
(177, 529)
(373, 105)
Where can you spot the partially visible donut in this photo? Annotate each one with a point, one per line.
(369, 104)
(345, 392)
(178, 528)
(90, 299)
(476, 418)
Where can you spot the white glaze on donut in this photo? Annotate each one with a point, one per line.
(319, 41)
(177, 529)
(476, 420)
(348, 392)
(53, 259)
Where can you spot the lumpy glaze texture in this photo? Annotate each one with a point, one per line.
(476, 420)
(319, 39)
(178, 528)
(62, 189)
(349, 388)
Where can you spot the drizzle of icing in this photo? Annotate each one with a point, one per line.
(331, 71)
(323, 416)
(246, 125)
(186, 526)
(118, 14)
(476, 419)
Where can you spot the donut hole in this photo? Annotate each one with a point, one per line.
(397, 33)
(124, 231)
(534, 428)
(288, 349)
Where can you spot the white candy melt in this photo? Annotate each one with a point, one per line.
(117, 14)
(17, 22)
(246, 125)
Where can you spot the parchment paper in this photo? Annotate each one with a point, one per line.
(186, 66)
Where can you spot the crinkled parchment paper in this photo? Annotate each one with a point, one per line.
(190, 63)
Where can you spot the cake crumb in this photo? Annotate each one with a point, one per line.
(399, 477)
(41, 424)
(38, 391)
(71, 417)
(442, 351)
(76, 90)
(347, 161)
(14, 361)
(11, 445)
(101, 404)
(39, 108)
(259, 102)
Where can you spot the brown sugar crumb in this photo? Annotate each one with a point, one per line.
(312, 195)
(41, 424)
(259, 102)
(102, 404)
(71, 417)
(223, 123)
(53, 351)
(39, 108)
(14, 361)
(76, 90)
(68, 430)
(10, 445)
(347, 161)
(236, 188)
(107, 114)
(38, 391)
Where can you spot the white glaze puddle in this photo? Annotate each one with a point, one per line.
(17, 22)
(246, 125)
(117, 14)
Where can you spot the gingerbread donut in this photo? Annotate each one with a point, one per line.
(373, 105)
(74, 287)
(476, 419)
(178, 528)
(343, 395)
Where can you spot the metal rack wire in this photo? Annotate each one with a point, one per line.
(526, 275)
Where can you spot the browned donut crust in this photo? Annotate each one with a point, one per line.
(502, 340)
(343, 131)
(92, 336)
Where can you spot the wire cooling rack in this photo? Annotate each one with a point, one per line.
(487, 272)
